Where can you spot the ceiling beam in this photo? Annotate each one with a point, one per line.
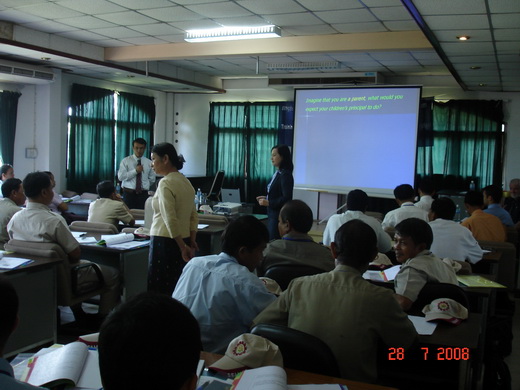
(383, 41)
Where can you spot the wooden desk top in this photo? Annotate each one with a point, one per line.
(464, 335)
(296, 377)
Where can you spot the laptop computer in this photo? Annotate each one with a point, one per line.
(230, 195)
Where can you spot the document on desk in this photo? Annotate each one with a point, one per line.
(478, 281)
(115, 239)
(383, 276)
(422, 326)
(201, 226)
(13, 262)
(82, 238)
(131, 245)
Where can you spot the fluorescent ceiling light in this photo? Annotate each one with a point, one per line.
(232, 33)
(296, 66)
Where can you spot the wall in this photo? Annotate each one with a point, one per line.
(42, 123)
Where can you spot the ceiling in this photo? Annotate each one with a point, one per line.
(140, 42)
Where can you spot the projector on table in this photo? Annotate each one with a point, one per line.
(226, 208)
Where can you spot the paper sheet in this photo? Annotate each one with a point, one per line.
(422, 326)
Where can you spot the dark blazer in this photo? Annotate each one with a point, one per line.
(280, 192)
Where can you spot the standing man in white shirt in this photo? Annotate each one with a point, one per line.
(136, 175)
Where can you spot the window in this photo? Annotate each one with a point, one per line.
(240, 139)
(102, 125)
(466, 142)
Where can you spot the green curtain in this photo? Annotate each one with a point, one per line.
(227, 142)
(468, 140)
(135, 119)
(424, 165)
(240, 139)
(264, 125)
(8, 112)
(91, 140)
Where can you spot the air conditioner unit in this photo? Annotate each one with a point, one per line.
(318, 80)
(15, 72)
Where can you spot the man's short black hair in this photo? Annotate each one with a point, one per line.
(356, 244)
(357, 200)
(152, 341)
(474, 198)
(245, 231)
(299, 214)
(494, 191)
(444, 208)
(404, 192)
(105, 188)
(34, 183)
(427, 186)
(418, 230)
(5, 168)
(9, 186)
(140, 141)
(8, 309)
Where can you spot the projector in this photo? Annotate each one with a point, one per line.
(226, 208)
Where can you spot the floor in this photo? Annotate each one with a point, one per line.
(513, 360)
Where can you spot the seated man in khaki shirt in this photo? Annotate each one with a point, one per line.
(110, 208)
(350, 314)
(37, 223)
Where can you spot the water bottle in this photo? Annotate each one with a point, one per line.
(196, 202)
(198, 198)
(472, 186)
(457, 214)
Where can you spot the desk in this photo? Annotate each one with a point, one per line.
(79, 207)
(35, 285)
(131, 263)
(296, 377)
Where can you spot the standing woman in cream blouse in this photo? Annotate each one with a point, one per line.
(174, 223)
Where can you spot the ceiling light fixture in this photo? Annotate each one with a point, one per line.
(475, 67)
(232, 33)
(296, 66)
(463, 37)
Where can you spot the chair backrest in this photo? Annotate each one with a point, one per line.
(93, 227)
(137, 213)
(432, 291)
(300, 350)
(283, 274)
(64, 268)
(89, 195)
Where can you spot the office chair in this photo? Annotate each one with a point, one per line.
(93, 227)
(432, 291)
(68, 291)
(300, 350)
(283, 274)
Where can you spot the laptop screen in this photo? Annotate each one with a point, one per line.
(230, 195)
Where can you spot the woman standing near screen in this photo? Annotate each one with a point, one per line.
(174, 223)
(279, 189)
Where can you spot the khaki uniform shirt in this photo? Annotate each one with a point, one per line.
(108, 211)
(38, 223)
(422, 269)
(348, 313)
(297, 249)
(7, 209)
